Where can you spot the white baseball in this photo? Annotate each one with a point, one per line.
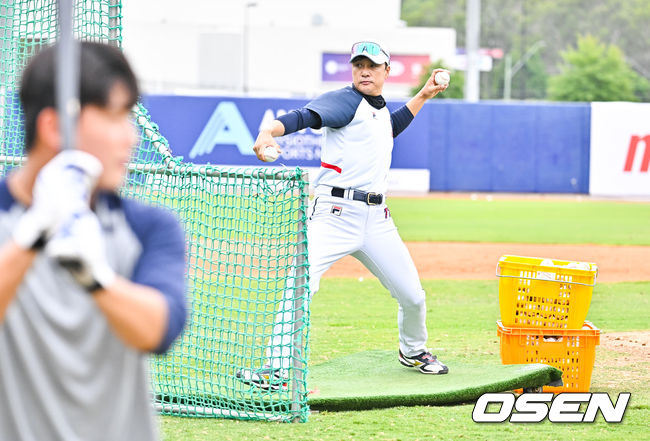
(547, 262)
(270, 153)
(441, 78)
(546, 275)
(579, 265)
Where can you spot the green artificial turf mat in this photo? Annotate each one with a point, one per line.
(375, 379)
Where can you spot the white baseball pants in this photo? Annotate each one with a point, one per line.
(338, 227)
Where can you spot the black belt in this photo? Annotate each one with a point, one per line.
(358, 195)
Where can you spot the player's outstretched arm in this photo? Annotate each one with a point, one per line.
(428, 91)
(266, 138)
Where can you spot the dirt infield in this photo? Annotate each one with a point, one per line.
(459, 260)
(635, 343)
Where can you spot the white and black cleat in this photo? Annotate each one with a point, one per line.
(265, 378)
(425, 362)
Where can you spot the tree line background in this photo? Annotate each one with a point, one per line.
(592, 50)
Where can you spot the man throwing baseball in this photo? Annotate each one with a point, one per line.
(349, 215)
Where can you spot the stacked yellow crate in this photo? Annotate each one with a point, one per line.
(544, 303)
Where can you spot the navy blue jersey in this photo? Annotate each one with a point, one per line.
(338, 108)
(357, 144)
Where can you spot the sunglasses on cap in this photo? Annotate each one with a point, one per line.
(368, 48)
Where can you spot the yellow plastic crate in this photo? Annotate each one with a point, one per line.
(544, 293)
(571, 350)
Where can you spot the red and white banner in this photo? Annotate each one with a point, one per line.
(620, 149)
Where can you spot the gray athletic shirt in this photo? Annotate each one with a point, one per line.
(64, 375)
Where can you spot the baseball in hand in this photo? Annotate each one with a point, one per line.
(270, 153)
(441, 78)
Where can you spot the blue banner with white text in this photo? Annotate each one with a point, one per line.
(488, 146)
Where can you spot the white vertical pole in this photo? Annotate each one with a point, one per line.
(67, 75)
(114, 23)
(245, 57)
(510, 70)
(298, 305)
(507, 76)
(6, 23)
(472, 34)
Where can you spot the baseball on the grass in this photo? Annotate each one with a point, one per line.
(270, 153)
(441, 78)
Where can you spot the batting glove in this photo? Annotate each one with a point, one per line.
(62, 187)
(79, 247)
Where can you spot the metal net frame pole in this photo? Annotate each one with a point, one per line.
(302, 281)
(67, 75)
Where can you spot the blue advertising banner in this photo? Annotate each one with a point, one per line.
(486, 146)
(218, 130)
(222, 130)
(509, 147)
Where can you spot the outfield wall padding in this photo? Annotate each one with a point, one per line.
(485, 146)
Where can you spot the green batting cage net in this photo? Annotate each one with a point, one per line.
(246, 266)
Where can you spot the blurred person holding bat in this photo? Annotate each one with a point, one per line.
(90, 282)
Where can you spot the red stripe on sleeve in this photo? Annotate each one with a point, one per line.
(330, 166)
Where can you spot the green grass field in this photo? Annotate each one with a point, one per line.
(527, 221)
(349, 316)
